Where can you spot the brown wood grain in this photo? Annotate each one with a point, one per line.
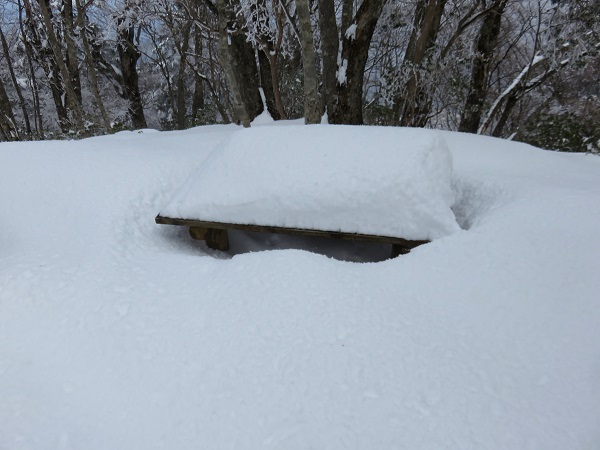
(201, 224)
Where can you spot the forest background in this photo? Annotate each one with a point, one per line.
(525, 70)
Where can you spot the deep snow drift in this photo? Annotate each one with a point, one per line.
(116, 333)
(369, 180)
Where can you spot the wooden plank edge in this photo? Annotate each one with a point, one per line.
(291, 231)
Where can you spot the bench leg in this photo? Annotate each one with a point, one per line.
(398, 250)
(198, 233)
(217, 239)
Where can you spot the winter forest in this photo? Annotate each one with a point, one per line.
(525, 70)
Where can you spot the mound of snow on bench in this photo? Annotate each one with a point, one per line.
(347, 179)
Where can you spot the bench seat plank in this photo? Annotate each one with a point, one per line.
(200, 224)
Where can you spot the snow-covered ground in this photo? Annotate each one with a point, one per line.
(117, 333)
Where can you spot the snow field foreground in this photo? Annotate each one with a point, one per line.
(116, 333)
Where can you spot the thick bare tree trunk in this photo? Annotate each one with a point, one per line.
(244, 63)
(128, 57)
(312, 104)
(412, 105)
(215, 85)
(486, 44)
(237, 58)
(351, 68)
(225, 40)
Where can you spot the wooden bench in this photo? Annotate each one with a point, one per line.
(216, 237)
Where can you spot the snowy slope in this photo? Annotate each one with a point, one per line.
(116, 333)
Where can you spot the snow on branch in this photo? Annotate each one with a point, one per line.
(517, 82)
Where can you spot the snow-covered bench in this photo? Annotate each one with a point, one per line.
(386, 185)
(216, 237)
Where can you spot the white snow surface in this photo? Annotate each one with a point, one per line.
(341, 71)
(351, 32)
(369, 180)
(117, 333)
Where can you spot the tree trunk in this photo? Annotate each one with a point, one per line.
(198, 96)
(347, 15)
(128, 57)
(244, 64)
(72, 97)
(180, 89)
(413, 105)
(266, 82)
(274, 71)
(351, 68)
(35, 50)
(37, 111)
(216, 83)
(312, 104)
(71, 60)
(486, 44)
(15, 84)
(57, 89)
(329, 48)
(508, 99)
(270, 86)
(268, 52)
(37, 114)
(237, 58)
(8, 128)
(511, 102)
(87, 52)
